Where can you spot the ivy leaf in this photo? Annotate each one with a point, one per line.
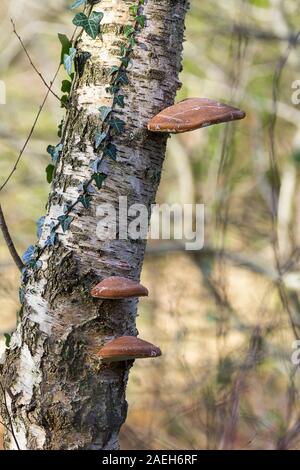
(128, 30)
(134, 9)
(118, 125)
(52, 238)
(111, 151)
(132, 43)
(85, 200)
(104, 112)
(95, 164)
(86, 187)
(54, 151)
(64, 101)
(123, 49)
(112, 89)
(49, 173)
(119, 101)
(69, 60)
(21, 295)
(141, 20)
(65, 46)
(65, 222)
(7, 340)
(114, 69)
(125, 61)
(99, 179)
(66, 86)
(60, 128)
(29, 254)
(77, 4)
(122, 79)
(91, 24)
(37, 264)
(40, 225)
(100, 136)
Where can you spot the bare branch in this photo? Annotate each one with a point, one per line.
(9, 242)
(31, 62)
(35, 122)
(11, 429)
(30, 133)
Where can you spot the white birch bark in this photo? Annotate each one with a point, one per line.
(58, 393)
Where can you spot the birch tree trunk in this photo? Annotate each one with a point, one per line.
(58, 393)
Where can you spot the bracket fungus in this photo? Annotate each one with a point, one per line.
(192, 114)
(118, 288)
(126, 348)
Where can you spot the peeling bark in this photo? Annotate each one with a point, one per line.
(59, 394)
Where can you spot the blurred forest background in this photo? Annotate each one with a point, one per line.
(225, 317)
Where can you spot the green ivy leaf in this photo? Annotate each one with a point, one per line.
(119, 101)
(51, 239)
(122, 79)
(21, 295)
(141, 20)
(69, 60)
(113, 89)
(118, 125)
(64, 101)
(99, 179)
(114, 70)
(39, 225)
(50, 172)
(95, 164)
(132, 43)
(128, 30)
(66, 86)
(90, 24)
(111, 151)
(60, 129)
(125, 61)
(65, 46)
(65, 222)
(85, 200)
(100, 136)
(54, 152)
(104, 112)
(29, 254)
(7, 338)
(134, 9)
(123, 49)
(77, 4)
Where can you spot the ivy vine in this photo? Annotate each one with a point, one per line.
(109, 125)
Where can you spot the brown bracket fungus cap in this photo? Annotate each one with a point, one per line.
(126, 348)
(192, 114)
(118, 288)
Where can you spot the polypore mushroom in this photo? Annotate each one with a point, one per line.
(118, 288)
(127, 348)
(193, 113)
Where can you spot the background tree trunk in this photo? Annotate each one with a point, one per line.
(58, 393)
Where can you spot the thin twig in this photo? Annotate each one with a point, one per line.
(9, 242)
(252, 358)
(31, 62)
(289, 437)
(275, 172)
(35, 122)
(9, 417)
(30, 133)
